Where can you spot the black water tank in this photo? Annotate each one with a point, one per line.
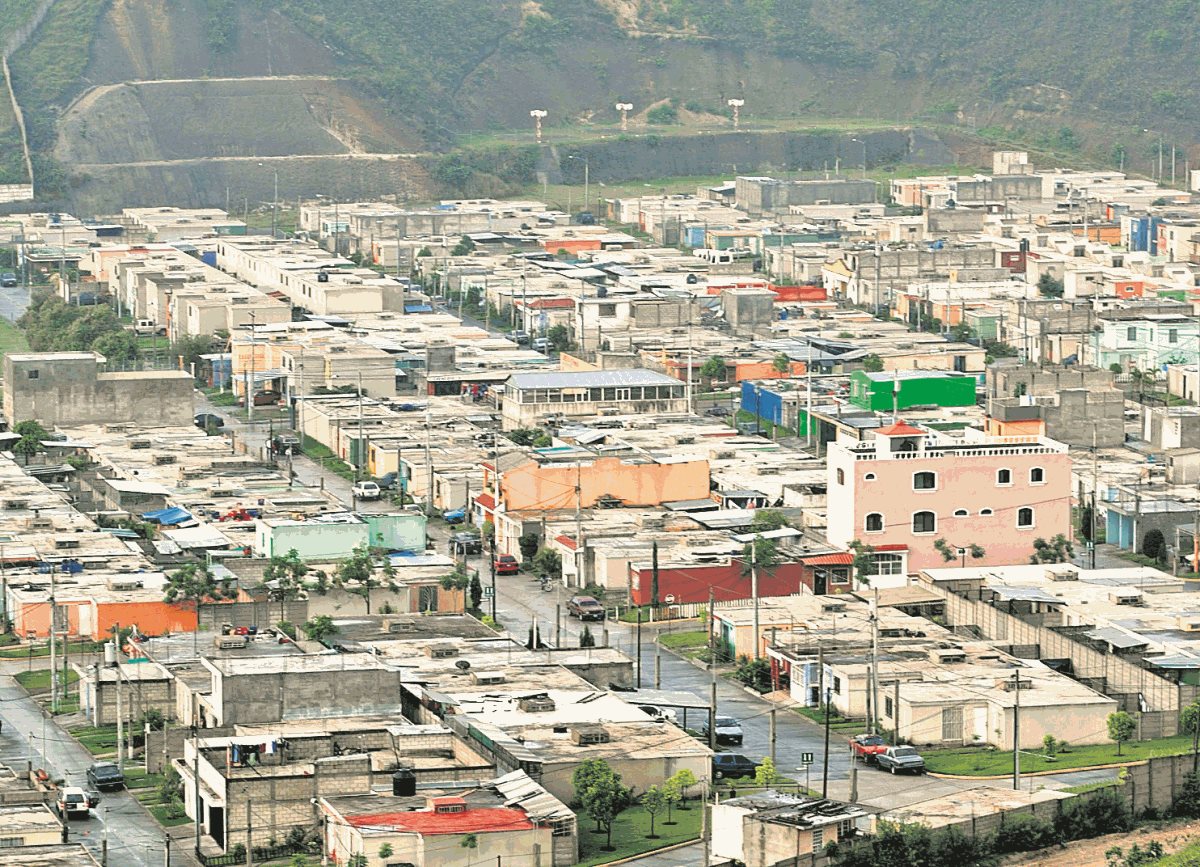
(404, 783)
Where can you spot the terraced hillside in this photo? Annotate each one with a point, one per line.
(161, 85)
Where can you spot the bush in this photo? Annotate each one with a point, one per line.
(1024, 833)
(1104, 812)
(1187, 799)
(754, 673)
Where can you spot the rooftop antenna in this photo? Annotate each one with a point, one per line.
(624, 108)
(537, 114)
(736, 104)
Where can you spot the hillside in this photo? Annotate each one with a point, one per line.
(104, 83)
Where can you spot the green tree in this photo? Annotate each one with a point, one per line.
(1187, 800)
(547, 563)
(1121, 727)
(1154, 546)
(948, 553)
(664, 114)
(117, 347)
(1086, 516)
(193, 584)
(528, 543)
(586, 639)
(1049, 286)
(284, 577)
(464, 247)
(385, 850)
(672, 795)
(766, 773)
(863, 563)
(872, 363)
(1189, 724)
(781, 363)
(768, 519)
(475, 591)
(470, 842)
(599, 791)
(559, 338)
(357, 574)
(458, 579)
(713, 368)
(320, 628)
(190, 348)
(682, 781)
(653, 802)
(32, 436)
(1057, 550)
(754, 673)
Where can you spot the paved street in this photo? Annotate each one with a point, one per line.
(134, 838)
(13, 301)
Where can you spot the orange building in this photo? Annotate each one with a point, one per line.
(1032, 427)
(552, 486)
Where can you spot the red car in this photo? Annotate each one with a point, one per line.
(506, 564)
(867, 747)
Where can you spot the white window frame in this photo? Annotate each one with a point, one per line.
(867, 525)
(961, 513)
(1041, 470)
(1009, 483)
(869, 477)
(917, 490)
(986, 513)
(1032, 518)
(913, 518)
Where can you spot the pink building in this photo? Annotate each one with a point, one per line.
(910, 487)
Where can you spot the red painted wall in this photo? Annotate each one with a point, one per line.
(691, 583)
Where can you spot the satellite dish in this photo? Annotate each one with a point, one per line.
(462, 665)
(670, 599)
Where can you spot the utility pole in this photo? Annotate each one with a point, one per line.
(772, 730)
(250, 375)
(853, 779)
(712, 678)
(754, 593)
(657, 664)
(1017, 730)
(875, 663)
(1095, 482)
(120, 714)
(579, 557)
(429, 473)
(249, 841)
(639, 647)
(53, 669)
(824, 694)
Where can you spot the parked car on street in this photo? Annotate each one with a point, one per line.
(105, 776)
(506, 564)
(867, 747)
(366, 491)
(267, 398)
(455, 516)
(585, 608)
(732, 765)
(540, 344)
(901, 760)
(74, 803)
(8, 279)
(208, 421)
(728, 730)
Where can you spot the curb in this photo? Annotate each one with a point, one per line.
(1037, 773)
(648, 852)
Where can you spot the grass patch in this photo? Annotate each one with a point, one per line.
(7, 639)
(169, 815)
(1084, 788)
(223, 398)
(12, 339)
(39, 680)
(837, 722)
(97, 740)
(42, 650)
(326, 458)
(976, 762)
(629, 834)
(137, 778)
(689, 640)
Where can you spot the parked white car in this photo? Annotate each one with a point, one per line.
(367, 491)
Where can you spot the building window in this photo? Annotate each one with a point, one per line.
(1037, 476)
(818, 840)
(1131, 333)
(874, 523)
(986, 513)
(869, 477)
(841, 476)
(961, 513)
(1025, 517)
(1172, 335)
(837, 685)
(888, 564)
(608, 309)
(924, 481)
(32, 374)
(924, 522)
(889, 708)
(1003, 477)
(952, 723)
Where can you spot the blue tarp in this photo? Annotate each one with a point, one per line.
(168, 517)
(417, 308)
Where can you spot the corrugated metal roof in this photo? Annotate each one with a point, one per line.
(1116, 637)
(590, 379)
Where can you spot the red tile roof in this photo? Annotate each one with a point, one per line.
(900, 429)
(487, 501)
(552, 304)
(476, 821)
(566, 540)
(897, 547)
(836, 559)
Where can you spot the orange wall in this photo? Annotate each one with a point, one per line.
(1031, 427)
(533, 486)
(1107, 234)
(798, 293)
(567, 361)
(765, 370)
(1129, 288)
(571, 245)
(151, 617)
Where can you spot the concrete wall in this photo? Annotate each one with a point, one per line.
(533, 486)
(58, 390)
(273, 696)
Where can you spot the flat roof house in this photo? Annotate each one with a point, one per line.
(531, 397)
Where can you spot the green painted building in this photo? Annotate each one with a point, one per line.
(873, 391)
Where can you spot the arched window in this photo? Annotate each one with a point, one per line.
(924, 522)
(961, 513)
(869, 477)
(986, 513)
(1025, 517)
(874, 523)
(1037, 476)
(924, 481)
(1003, 477)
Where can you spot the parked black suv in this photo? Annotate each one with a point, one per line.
(732, 765)
(466, 543)
(105, 775)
